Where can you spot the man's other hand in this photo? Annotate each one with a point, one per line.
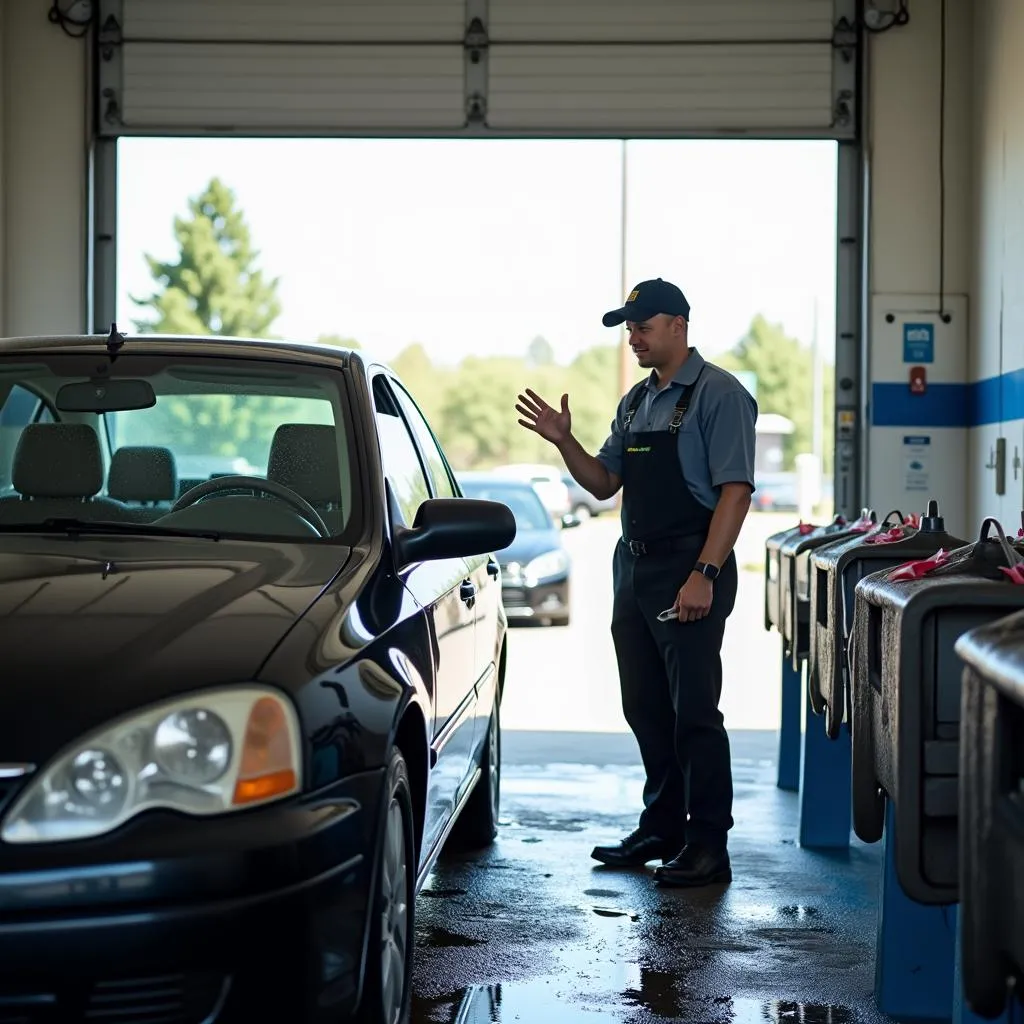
(694, 598)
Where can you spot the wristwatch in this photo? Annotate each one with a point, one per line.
(707, 570)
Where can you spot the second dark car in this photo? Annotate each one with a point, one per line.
(536, 569)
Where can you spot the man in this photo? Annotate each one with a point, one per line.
(682, 450)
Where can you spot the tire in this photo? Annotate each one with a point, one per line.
(582, 513)
(392, 907)
(477, 825)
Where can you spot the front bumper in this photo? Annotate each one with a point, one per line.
(252, 916)
(548, 599)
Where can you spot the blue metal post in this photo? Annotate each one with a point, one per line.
(962, 1013)
(914, 954)
(789, 730)
(826, 801)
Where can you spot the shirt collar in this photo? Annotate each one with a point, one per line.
(686, 374)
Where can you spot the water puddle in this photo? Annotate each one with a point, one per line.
(556, 1001)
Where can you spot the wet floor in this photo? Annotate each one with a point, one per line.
(533, 930)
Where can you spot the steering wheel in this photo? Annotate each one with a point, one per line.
(271, 487)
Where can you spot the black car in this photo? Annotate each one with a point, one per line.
(535, 568)
(237, 724)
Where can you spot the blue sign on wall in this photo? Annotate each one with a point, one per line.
(919, 343)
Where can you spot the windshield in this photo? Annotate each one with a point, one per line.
(126, 448)
(526, 507)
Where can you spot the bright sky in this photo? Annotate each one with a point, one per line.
(479, 246)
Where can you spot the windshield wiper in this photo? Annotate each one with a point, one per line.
(77, 527)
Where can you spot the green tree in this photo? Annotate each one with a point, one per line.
(214, 286)
(784, 372)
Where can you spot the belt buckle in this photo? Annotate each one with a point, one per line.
(637, 547)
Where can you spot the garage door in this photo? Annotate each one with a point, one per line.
(501, 68)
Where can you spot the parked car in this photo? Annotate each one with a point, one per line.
(236, 733)
(546, 480)
(536, 569)
(583, 504)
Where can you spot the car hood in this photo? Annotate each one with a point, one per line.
(529, 544)
(93, 627)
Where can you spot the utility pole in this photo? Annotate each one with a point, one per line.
(625, 356)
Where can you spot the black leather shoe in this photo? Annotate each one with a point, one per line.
(695, 866)
(636, 850)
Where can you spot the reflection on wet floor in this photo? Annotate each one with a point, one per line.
(540, 1000)
(534, 931)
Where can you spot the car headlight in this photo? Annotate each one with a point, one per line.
(550, 564)
(208, 753)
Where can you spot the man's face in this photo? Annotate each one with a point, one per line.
(656, 341)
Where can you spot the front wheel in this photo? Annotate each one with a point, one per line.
(387, 984)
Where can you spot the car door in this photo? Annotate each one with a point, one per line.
(482, 569)
(439, 588)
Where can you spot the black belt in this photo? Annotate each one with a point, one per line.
(665, 545)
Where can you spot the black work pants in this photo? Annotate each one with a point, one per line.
(670, 674)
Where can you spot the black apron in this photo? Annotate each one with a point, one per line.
(658, 506)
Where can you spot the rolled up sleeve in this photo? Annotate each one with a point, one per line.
(730, 438)
(610, 455)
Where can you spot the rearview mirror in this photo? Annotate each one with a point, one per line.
(454, 528)
(119, 395)
(569, 521)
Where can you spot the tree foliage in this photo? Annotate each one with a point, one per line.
(214, 285)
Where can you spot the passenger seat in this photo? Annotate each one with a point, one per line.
(305, 457)
(58, 472)
(146, 477)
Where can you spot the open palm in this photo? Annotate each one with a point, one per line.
(552, 424)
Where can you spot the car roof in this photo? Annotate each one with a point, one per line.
(169, 344)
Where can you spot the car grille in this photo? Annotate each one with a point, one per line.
(158, 999)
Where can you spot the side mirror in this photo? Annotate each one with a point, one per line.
(454, 528)
(569, 521)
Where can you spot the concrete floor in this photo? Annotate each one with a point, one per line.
(535, 931)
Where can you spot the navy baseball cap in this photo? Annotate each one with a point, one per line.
(647, 299)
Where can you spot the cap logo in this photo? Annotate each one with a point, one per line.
(633, 294)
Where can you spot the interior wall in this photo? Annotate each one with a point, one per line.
(997, 316)
(43, 173)
(917, 443)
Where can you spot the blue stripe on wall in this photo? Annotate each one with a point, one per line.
(993, 400)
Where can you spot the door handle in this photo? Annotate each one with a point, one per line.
(467, 592)
(492, 569)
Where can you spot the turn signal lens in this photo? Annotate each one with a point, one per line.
(266, 768)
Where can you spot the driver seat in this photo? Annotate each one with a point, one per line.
(305, 457)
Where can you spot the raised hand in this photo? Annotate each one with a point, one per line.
(553, 425)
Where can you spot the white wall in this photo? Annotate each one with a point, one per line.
(997, 285)
(43, 173)
(902, 150)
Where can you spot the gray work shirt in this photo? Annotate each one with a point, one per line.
(716, 437)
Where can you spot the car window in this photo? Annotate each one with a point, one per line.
(20, 408)
(206, 417)
(428, 445)
(402, 465)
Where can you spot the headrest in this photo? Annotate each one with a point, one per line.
(140, 473)
(57, 460)
(304, 457)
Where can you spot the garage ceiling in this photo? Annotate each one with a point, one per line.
(499, 68)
